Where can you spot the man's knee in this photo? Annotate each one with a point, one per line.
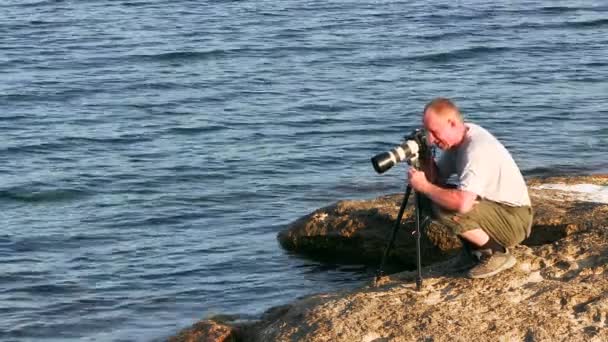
(450, 219)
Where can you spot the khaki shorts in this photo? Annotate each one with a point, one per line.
(505, 224)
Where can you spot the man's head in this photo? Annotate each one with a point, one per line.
(444, 123)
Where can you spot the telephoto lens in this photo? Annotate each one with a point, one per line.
(407, 151)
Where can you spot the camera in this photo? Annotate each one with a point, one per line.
(412, 147)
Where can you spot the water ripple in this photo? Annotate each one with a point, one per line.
(153, 149)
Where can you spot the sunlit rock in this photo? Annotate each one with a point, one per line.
(558, 290)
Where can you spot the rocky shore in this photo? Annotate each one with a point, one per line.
(558, 291)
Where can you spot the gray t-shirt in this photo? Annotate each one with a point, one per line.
(485, 167)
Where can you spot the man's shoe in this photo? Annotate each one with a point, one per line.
(492, 263)
(464, 260)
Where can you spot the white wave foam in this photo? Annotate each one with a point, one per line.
(583, 192)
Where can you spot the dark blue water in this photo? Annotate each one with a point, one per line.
(151, 150)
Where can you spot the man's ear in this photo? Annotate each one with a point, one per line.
(452, 122)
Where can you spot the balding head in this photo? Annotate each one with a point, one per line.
(442, 107)
(444, 124)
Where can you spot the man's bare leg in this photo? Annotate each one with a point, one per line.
(476, 236)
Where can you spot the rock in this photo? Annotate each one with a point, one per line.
(357, 231)
(558, 291)
(207, 330)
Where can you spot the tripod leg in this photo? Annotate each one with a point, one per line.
(418, 247)
(391, 242)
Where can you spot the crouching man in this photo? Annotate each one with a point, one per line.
(490, 208)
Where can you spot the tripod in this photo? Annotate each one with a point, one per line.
(420, 224)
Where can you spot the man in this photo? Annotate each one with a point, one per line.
(490, 208)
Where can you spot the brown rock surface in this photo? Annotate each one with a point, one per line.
(558, 291)
(342, 230)
(211, 330)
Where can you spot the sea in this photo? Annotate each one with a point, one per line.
(151, 150)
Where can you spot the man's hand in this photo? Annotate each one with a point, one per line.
(418, 180)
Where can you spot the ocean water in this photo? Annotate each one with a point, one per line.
(151, 149)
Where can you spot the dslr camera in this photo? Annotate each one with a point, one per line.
(410, 150)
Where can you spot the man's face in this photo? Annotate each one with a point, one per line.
(441, 130)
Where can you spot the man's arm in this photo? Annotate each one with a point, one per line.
(451, 199)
